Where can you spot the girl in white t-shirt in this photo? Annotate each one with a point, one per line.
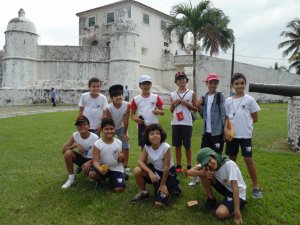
(160, 171)
(241, 112)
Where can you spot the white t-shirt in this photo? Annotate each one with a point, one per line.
(145, 106)
(109, 154)
(87, 144)
(157, 156)
(229, 171)
(239, 113)
(93, 108)
(118, 114)
(187, 117)
(210, 99)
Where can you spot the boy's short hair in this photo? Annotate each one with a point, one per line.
(82, 119)
(237, 76)
(94, 80)
(152, 127)
(107, 121)
(115, 90)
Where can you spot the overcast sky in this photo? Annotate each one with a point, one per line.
(257, 24)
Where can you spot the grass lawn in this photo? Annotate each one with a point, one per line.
(32, 172)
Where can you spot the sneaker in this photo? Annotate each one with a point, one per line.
(139, 197)
(127, 170)
(194, 181)
(257, 193)
(98, 186)
(68, 183)
(179, 169)
(211, 204)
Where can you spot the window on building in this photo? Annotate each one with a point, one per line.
(146, 19)
(129, 11)
(166, 44)
(92, 21)
(163, 24)
(144, 51)
(110, 17)
(107, 43)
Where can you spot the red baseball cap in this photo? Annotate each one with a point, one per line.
(212, 76)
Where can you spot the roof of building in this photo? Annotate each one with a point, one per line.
(126, 1)
(21, 23)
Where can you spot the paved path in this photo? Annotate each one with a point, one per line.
(13, 111)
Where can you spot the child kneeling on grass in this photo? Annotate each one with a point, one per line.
(108, 158)
(160, 171)
(83, 140)
(225, 176)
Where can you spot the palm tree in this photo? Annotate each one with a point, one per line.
(292, 45)
(296, 63)
(205, 23)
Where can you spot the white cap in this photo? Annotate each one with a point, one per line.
(144, 78)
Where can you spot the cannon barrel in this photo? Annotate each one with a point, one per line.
(275, 89)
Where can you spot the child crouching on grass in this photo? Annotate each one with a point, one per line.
(83, 140)
(225, 176)
(108, 158)
(160, 171)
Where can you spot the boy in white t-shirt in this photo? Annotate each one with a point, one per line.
(226, 178)
(145, 107)
(119, 111)
(93, 104)
(83, 140)
(241, 113)
(183, 101)
(108, 158)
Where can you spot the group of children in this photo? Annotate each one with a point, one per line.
(229, 120)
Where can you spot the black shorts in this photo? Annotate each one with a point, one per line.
(141, 128)
(228, 200)
(172, 183)
(182, 135)
(214, 142)
(80, 159)
(232, 147)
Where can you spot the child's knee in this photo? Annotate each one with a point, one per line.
(137, 171)
(92, 175)
(119, 189)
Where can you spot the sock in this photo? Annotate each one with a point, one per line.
(72, 176)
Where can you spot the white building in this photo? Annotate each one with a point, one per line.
(117, 43)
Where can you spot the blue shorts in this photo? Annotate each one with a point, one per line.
(125, 144)
(141, 128)
(172, 183)
(116, 178)
(182, 135)
(232, 147)
(228, 200)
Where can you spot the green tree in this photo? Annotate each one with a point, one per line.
(207, 24)
(292, 45)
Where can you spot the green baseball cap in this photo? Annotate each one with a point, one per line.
(204, 155)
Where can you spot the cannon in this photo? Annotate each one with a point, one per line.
(293, 92)
(275, 89)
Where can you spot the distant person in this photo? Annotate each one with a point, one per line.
(183, 101)
(226, 178)
(119, 111)
(211, 109)
(145, 107)
(160, 171)
(82, 140)
(108, 158)
(241, 113)
(53, 94)
(126, 94)
(93, 104)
